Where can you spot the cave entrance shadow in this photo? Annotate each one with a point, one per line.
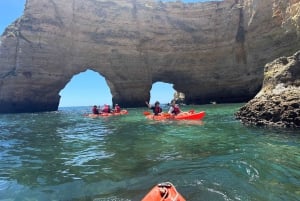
(86, 89)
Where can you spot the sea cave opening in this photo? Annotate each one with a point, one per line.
(86, 89)
(162, 92)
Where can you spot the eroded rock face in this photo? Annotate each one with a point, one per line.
(278, 103)
(212, 51)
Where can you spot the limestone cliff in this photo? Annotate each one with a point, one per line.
(213, 51)
(278, 102)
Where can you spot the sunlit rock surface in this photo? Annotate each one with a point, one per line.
(278, 102)
(214, 51)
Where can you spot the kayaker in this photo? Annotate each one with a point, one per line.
(106, 108)
(117, 108)
(156, 108)
(174, 108)
(95, 109)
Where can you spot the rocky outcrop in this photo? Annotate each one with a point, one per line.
(179, 98)
(278, 102)
(213, 51)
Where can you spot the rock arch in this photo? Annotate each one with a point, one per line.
(85, 89)
(198, 47)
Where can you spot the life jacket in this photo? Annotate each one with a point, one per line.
(106, 109)
(117, 109)
(157, 110)
(176, 109)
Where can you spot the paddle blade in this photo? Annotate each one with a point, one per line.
(147, 113)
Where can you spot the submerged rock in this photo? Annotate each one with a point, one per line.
(278, 102)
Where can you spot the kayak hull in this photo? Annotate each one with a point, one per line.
(163, 192)
(191, 116)
(181, 116)
(122, 112)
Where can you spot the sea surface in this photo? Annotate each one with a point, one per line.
(65, 155)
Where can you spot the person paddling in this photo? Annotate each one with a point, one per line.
(95, 110)
(106, 108)
(174, 108)
(117, 108)
(156, 108)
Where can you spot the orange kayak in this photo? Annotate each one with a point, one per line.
(163, 192)
(122, 112)
(182, 116)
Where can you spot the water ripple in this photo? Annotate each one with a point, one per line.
(66, 156)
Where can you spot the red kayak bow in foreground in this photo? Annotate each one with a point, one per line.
(163, 192)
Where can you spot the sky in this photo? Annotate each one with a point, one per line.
(87, 88)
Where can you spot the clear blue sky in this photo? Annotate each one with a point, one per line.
(88, 88)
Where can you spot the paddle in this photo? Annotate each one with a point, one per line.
(147, 113)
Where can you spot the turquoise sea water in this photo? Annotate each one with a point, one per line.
(65, 155)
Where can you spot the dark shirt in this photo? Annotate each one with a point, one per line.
(95, 110)
(156, 110)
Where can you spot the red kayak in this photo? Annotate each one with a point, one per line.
(163, 192)
(122, 112)
(191, 115)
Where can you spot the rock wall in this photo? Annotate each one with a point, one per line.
(278, 102)
(213, 51)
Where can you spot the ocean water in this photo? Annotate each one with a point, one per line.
(64, 155)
